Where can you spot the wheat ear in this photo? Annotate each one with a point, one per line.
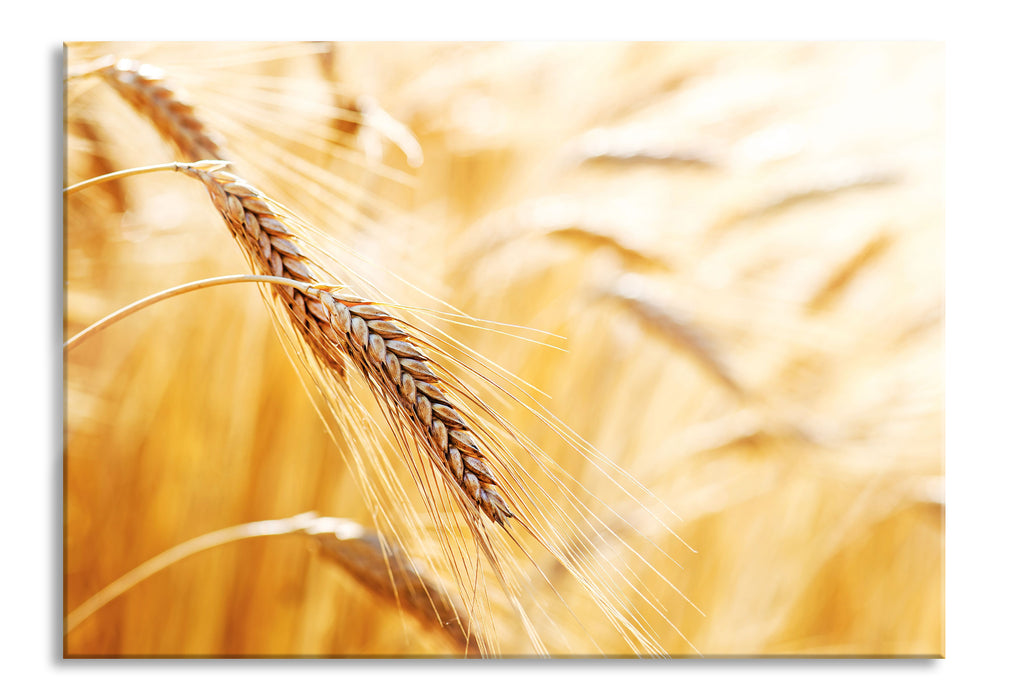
(387, 572)
(676, 330)
(335, 326)
(145, 88)
(338, 325)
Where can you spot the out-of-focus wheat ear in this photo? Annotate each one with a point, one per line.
(98, 158)
(840, 179)
(385, 571)
(637, 146)
(678, 331)
(597, 239)
(147, 90)
(559, 219)
(842, 275)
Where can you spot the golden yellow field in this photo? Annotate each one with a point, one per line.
(732, 257)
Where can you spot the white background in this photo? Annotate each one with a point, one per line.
(977, 387)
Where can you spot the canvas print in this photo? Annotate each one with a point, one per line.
(520, 349)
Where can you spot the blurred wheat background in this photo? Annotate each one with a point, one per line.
(741, 246)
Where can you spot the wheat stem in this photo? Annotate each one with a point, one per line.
(179, 552)
(140, 304)
(161, 167)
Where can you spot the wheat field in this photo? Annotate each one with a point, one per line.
(721, 265)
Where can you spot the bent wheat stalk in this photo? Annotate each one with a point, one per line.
(152, 299)
(120, 174)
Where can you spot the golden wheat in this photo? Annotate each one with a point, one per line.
(802, 496)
